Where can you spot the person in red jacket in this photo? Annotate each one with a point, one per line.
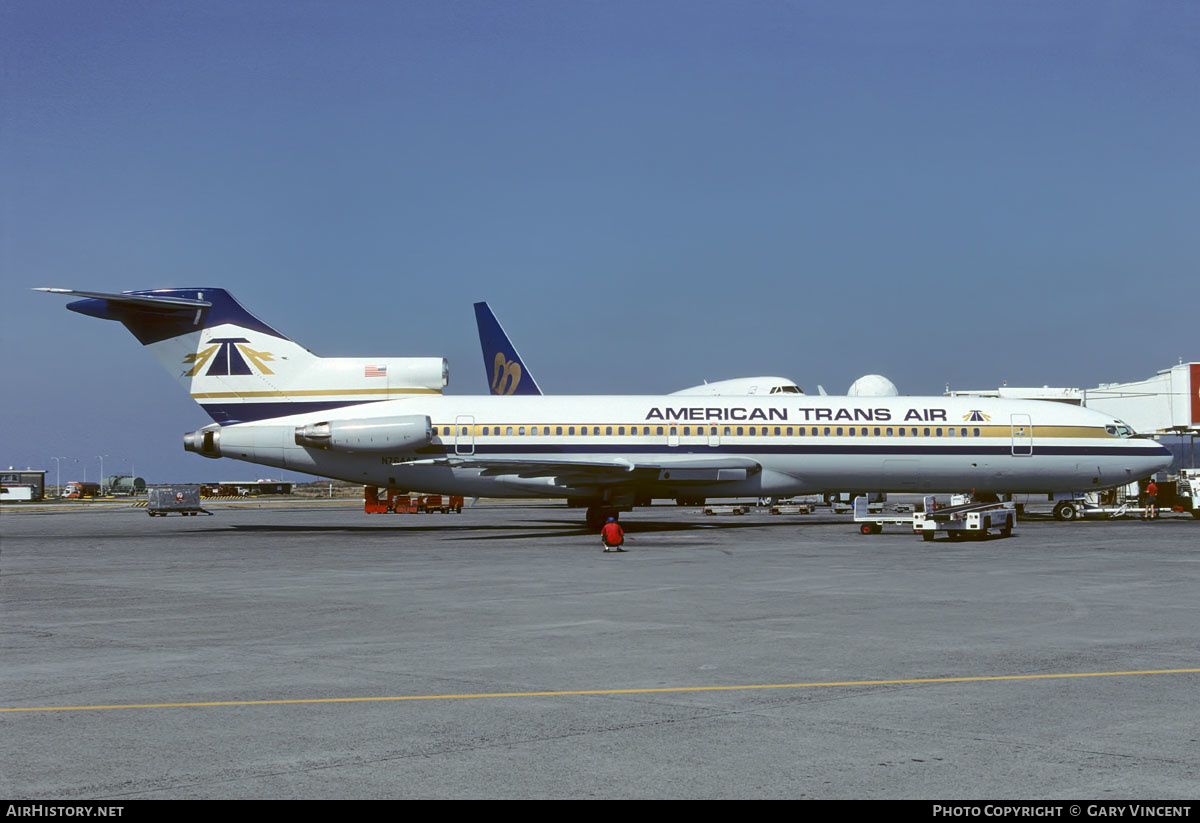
(1151, 511)
(612, 536)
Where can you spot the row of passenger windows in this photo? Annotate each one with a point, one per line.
(712, 431)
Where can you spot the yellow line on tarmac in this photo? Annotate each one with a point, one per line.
(580, 692)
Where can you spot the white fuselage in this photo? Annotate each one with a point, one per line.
(481, 446)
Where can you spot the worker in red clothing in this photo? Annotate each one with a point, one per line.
(1151, 511)
(612, 536)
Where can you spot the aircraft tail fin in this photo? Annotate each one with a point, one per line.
(506, 373)
(240, 369)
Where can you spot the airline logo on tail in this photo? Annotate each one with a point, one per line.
(506, 375)
(501, 362)
(231, 354)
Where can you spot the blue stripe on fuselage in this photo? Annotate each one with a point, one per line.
(227, 414)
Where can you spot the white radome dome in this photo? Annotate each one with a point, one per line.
(873, 385)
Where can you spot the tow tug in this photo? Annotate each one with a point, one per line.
(961, 519)
(965, 519)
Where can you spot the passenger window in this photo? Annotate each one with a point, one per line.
(876, 431)
(558, 429)
(926, 432)
(521, 430)
(952, 432)
(839, 431)
(508, 430)
(900, 431)
(939, 432)
(827, 431)
(621, 430)
(608, 429)
(741, 430)
(687, 429)
(789, 431)
(659, 430)
(596, 430)
(779, 430)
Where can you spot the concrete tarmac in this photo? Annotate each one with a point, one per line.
(726, 657)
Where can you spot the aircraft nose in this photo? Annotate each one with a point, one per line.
(1161, 459)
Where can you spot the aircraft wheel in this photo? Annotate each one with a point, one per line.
(597, 516)
(1065, 512)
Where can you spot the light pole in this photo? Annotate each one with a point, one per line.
(101, 457)
(58, 475)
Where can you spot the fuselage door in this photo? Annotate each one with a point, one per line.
(464, 434)
(1022, 435)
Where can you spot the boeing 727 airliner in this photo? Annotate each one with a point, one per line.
(385, 422)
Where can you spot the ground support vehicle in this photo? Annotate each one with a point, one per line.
(395, 501)
(872, 522)
(430, 503)
(1181, 494)
(791, 508)
(965, 520)
(710, 510)
(184, 500)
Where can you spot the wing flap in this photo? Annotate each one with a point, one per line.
(682, 469)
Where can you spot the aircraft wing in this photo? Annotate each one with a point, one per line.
(617, 471)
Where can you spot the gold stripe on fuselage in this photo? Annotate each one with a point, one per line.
(674, 429)
(213, 395)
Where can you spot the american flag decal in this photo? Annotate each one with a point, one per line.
(374, 371)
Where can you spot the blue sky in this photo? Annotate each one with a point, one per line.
(650, 194)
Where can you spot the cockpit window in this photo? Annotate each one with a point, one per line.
(1119, 428)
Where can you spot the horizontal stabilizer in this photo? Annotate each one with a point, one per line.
(144, 300)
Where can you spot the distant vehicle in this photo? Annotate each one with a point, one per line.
(277, 404)
(77, 489)
(11, 493)
(395, 501)
(124, 485)
(182, 500)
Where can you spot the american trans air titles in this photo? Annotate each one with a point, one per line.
(803, 414)
(277, 404)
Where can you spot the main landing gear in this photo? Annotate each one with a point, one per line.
(597, 516)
